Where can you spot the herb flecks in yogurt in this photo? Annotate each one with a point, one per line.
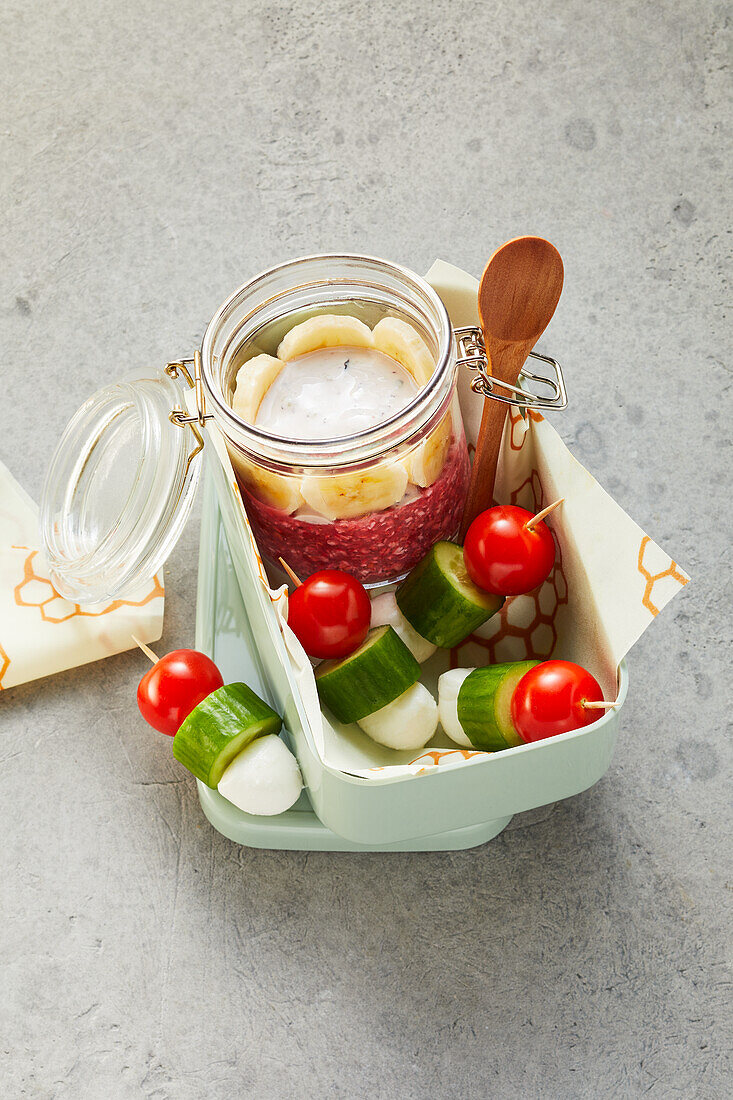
(324, 395)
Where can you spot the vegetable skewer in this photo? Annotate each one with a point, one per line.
(226, 736)
(375, 680)
(502, 706)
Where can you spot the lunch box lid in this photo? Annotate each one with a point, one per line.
(120, 486)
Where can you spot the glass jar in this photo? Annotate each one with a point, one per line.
(122, 480)
(372, 502)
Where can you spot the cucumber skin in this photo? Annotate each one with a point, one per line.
(477, 706)
(428, 602)
(350, 697)
(203, 744)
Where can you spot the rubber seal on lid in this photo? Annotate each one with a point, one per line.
(119, 489)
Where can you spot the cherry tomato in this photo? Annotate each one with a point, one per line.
(549, 700)
(177, 683)
(503, 556)
(329, 613)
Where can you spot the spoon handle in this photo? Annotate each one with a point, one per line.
(488, 445)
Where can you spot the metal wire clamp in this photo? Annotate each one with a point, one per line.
(178, 416)
(472, 354)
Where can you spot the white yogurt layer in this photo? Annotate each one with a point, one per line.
(334, 392)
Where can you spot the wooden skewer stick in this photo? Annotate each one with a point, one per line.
(146, 650)
(600, 705)
(293, 576)
(541, 515)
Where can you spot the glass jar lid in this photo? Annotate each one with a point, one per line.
(119, 488)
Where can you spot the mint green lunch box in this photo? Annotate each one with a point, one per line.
(121, 486)
(444, 808)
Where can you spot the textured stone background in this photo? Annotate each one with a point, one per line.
(153, 157)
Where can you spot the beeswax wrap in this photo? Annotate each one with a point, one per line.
(42, 633)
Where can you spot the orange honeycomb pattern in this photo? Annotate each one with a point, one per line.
(516, 438)
(529, 618)
(433, 757)
(35, 590)
(4, 665)
(439, 756)
(651, 579)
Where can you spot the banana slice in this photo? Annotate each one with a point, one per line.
(327, 331)
(277, 490)
(405, 344)
(346, 496)
(425, 463)
(254, 379)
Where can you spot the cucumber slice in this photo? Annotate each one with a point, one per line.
(219, 728)
(372, 676)
(439, 599)
(485, 705)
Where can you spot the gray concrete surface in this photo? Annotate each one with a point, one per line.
(155, 155)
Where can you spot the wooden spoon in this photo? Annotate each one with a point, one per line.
(517, 296)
